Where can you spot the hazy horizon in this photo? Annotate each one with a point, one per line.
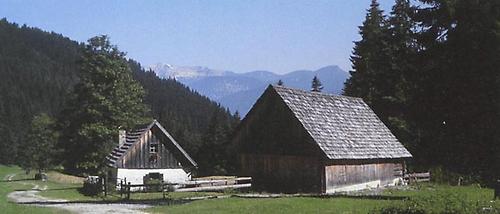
(239, 36)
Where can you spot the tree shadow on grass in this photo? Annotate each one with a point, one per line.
(371, 197)
(163, 202)
(25, 179)
(47, 190)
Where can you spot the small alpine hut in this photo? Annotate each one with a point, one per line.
(149, 151)
(299, 141)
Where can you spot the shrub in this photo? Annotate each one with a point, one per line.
(156, 185)
(439, 175)
(91, 186)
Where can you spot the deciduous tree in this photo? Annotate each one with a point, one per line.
(105, 99)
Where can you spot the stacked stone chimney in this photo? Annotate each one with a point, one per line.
(122, 135)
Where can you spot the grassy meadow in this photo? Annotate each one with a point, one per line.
(18, 183)
(425, 198)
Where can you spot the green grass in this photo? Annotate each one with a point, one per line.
(432, 198)
(7, 187)
(428, 198)
(275, 205)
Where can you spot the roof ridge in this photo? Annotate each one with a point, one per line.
(313, 92)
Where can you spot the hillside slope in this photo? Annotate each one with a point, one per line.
(38, 70)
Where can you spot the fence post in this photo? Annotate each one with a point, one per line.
(121, 188)
(105, 185)
(496, 193)
(128, 191)
(163, 189)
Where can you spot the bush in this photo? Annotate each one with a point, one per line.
(439, 175)
(91, 186)
(157, 185)
(41, 176)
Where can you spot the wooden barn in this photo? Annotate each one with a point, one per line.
(149, 151)
(300, 141)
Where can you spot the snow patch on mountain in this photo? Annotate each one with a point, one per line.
(238, 91)
(164, 70)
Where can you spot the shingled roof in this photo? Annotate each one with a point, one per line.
(134, 136)
(343, 127)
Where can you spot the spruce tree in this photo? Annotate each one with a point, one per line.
(400, 73)
(105, 99)
(316, 85)
(370, 58)
(457, 101)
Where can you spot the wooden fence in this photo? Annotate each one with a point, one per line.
(218, 182)
(418, 177)
(125, 188)
(201, 185)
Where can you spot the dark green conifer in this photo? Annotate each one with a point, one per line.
(316, 84)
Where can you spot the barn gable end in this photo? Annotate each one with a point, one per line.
(337, 141)
(150, 149)
(284, 160)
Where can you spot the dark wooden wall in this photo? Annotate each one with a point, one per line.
(280, 156)
(271, 128)
(138, 157)
(349, 173)
(280, 173)
(276, 151)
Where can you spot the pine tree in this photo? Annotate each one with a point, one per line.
(105, 98)
(370, 59)
(456, 104)
(212, 155)
(237, 116)
(316, 85)
(398, 76)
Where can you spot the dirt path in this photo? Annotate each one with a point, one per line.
(31, 197)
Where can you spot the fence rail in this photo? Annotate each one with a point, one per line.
(418, 177)
(125, 188)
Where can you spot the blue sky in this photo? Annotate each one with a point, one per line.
(236, 35)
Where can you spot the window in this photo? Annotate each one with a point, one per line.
(153, 148)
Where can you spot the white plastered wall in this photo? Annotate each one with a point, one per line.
(136, 176)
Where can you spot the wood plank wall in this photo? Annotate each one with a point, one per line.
(349, 174)
(281, 173)
(139, 155)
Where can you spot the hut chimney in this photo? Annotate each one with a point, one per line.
(122, 135)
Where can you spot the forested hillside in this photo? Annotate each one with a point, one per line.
(38, 71)
(202, 125)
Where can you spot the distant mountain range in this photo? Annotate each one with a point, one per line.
(239, 91)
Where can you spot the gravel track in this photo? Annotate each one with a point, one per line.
(31, 197)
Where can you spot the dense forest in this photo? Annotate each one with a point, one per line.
(40, 73)
(431, 72)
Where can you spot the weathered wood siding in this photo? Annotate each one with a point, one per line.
(276, 151)
(345, 174)
(272, 129)
(139, 156)
(280, 173)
